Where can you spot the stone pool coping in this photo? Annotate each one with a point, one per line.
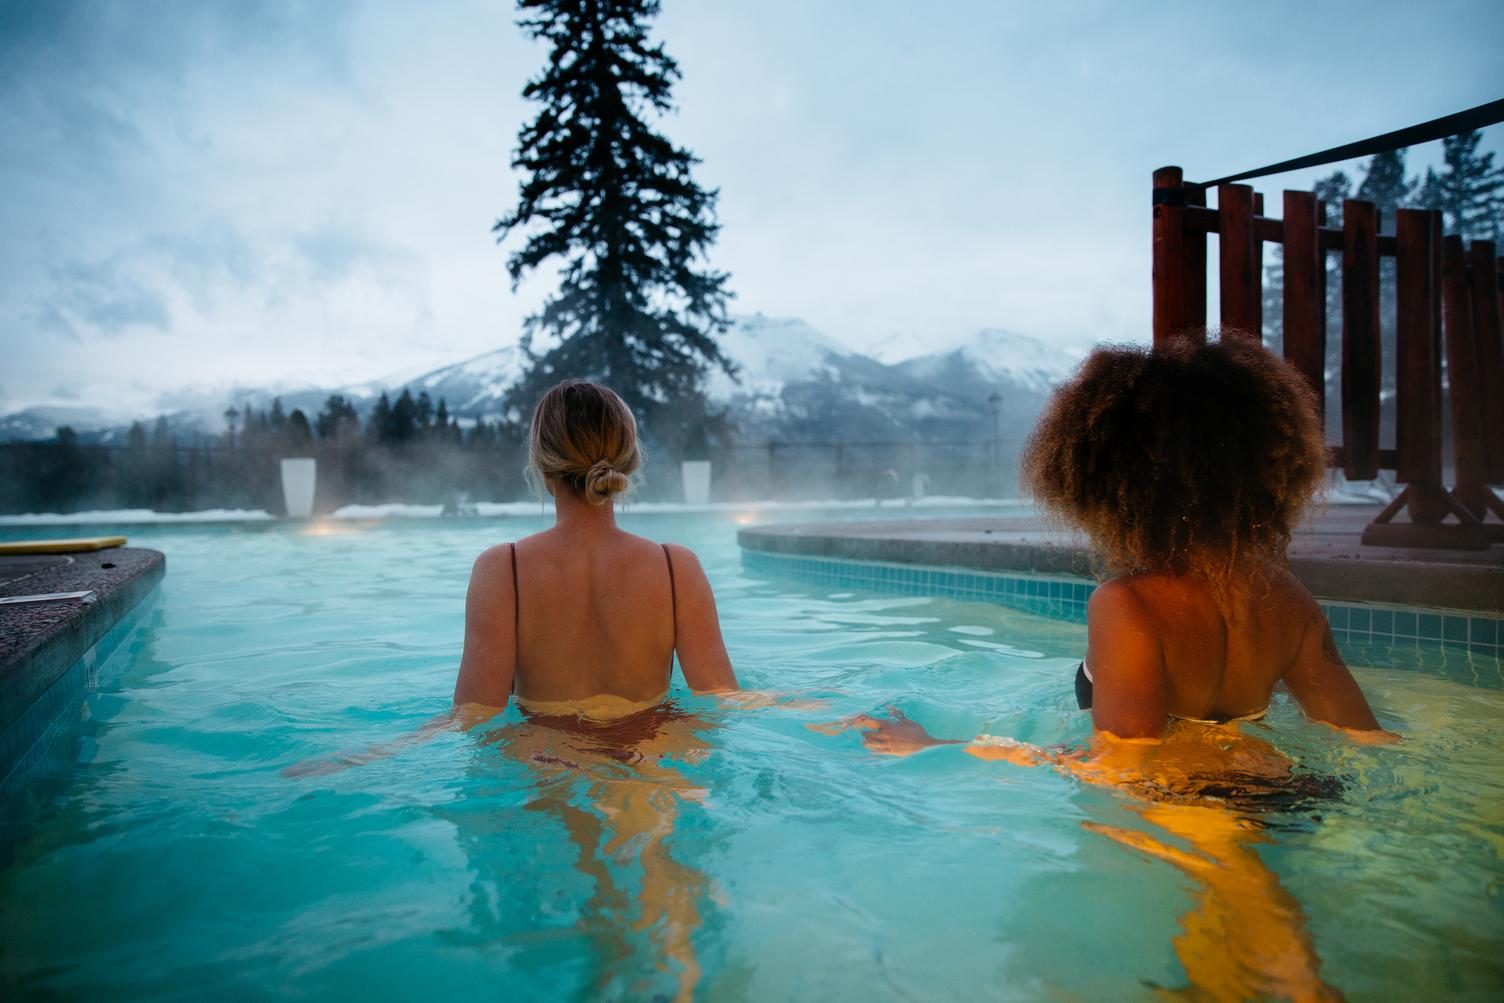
(1325, 554)
(41, 642)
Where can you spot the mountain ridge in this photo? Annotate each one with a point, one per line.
(794, 384)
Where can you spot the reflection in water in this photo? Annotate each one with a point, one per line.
(1210, 787)
(1245, 937)
(615, 789)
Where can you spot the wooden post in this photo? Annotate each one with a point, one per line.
(1417, 369)
(1489, 344)
(1194, 307)
(1239, 275)
(1360, 341)
(1305, 303)
(1258, 267)
(1463, 378)
(1169, 255)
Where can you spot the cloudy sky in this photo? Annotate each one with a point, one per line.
(215, 193)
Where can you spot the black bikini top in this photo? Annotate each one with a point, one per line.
(1084, 694)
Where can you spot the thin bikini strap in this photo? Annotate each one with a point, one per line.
(516, 619)
(516, 594)
(673, 593)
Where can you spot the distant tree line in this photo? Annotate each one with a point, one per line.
(407, 449)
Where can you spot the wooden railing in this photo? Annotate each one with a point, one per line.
(1447, 321)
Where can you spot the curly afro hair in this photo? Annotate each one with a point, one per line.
(1185, 458)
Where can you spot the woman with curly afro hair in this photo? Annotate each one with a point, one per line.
(1187, 466)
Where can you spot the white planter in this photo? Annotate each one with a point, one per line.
(696, 477)
(298, 478)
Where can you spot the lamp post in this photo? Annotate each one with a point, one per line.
(995, 401)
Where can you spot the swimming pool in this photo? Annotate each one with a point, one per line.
(157, 849)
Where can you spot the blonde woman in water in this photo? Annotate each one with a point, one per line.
(580, 624)
(584, 619)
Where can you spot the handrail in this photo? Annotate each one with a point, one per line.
(1491, 113)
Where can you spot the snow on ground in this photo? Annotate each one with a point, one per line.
(401, 510)
(1351, 493)
(533, 508)
(133, 515)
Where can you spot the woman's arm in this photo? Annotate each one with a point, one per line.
(460, 718)
(892, 735)
(486, 668)
(1130, 698)
(702, 650)
(1321, 683)
(489, 661)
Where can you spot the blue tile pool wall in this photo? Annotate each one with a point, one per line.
(1472, 642)
(1057, 597)
(26, 740)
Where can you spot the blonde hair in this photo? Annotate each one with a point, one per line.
(584, 436)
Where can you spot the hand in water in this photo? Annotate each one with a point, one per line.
(1370, 737)
(894, 735)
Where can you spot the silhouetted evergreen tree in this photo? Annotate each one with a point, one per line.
(298, 433)
(337, 419)
(1385, 185)
(1469, 189)
(616, 203)
(402, 421)
(381, 416)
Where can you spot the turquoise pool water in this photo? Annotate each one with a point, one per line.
(158, 851)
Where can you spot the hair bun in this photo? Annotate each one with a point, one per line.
(603, 480)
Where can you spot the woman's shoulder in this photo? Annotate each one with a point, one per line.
(495, 556)
(677, 552)
(1284, 589)
(499, 557)
(1129, 599)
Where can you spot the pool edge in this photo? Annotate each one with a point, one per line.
(51, 653)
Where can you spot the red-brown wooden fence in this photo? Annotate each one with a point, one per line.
(1448, 307)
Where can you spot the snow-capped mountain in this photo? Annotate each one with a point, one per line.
(42, 422)
(473, 388)
(793, 384)
(796, 384)
(999, 356)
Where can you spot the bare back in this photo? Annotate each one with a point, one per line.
(593, 620)
(590, 626)
(1162, 646)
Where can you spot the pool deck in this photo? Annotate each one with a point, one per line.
(40, 642)
(1326, 554)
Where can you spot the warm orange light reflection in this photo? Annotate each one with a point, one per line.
(327, 527)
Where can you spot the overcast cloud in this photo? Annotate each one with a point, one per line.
(213, 193)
